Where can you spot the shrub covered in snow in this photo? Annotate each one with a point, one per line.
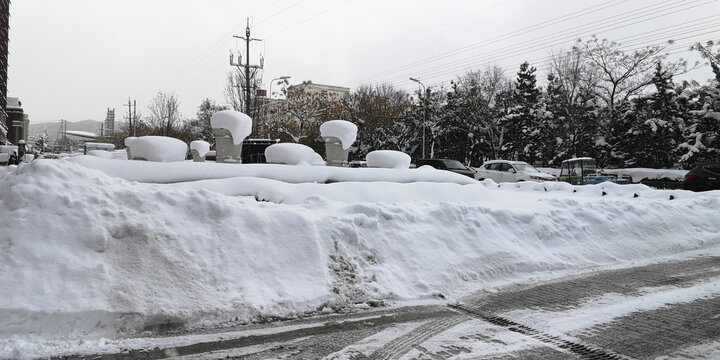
(239, 124)
(341, 129)
(289, 154)
(201, 146)
(390, 159)
(158, 148)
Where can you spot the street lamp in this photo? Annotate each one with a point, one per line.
(273, 80)
(424, 112)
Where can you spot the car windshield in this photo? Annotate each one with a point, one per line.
(526, 168)
(454, 165)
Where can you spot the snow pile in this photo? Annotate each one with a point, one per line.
(200, 146)
(171, 172)
(85, 253)
(158, 148)
(116, 154)
(317, 160)
(239, 124)
(389, 159)
(341, 129)
(289, 154)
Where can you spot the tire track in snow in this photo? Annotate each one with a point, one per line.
(401, 345)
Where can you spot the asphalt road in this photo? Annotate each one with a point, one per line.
(496, 326)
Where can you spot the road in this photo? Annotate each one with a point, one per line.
(661, 311)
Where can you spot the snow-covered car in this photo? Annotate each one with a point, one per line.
(358, 164)
(447, 164)
(510, 171)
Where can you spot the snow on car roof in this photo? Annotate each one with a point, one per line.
(507, 161)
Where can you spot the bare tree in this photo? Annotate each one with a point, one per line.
(713, 56)
(490, 83)
(621, 75)
(571, 87)
(164, 112)
(235, 93)
(303, 111)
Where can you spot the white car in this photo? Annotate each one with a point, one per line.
(510, 171)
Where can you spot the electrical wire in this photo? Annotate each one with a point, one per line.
(600, 25)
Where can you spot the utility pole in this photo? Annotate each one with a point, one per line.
(132, 107)
(424, 112)
(247, 75)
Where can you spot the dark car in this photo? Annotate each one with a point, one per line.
(447, 164)
(703, 177)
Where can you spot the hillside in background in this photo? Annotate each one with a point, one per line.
(52, 128)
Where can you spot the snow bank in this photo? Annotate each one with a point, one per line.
(86, 254)
(341, 129)
(239, 124)
(158, 148)
(389, 159)
(289, 154)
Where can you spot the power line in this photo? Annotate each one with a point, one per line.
(411, 35)
(210, 50)
(598, 25)
(602, 24)
(307, 19)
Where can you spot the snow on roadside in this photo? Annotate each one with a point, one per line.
(93, 247)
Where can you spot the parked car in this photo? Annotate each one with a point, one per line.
(358, 164)
(510, 171)
(447, 164)
(703, 177)
(584, 171)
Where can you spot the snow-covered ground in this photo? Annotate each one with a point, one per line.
(94, 247)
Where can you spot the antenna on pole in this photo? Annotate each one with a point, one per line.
(248, 75)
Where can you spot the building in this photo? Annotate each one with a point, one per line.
(330, 91)
(17, 121)
(4, 38)
(109, 126)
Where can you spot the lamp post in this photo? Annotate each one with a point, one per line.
(279, 78)
(270, 104)
(424, 112)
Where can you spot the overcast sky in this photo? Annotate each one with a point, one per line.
(73, 59)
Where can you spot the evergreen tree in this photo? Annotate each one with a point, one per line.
(702, 135)
(200, 128)
(522, 137)
(657, 132)
(464, 115)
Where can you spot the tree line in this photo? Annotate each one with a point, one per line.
(619, 106)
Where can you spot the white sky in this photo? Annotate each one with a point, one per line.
(73, 59)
